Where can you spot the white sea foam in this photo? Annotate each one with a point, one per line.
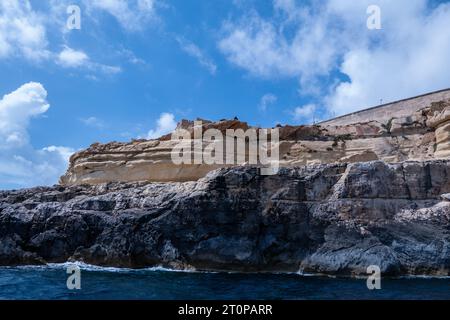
(94, 268)
(90, 267)
(423, 277)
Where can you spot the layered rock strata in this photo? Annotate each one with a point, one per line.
(423, 135)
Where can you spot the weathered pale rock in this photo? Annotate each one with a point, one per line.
(423, 135)
(363, 156)
(443, 140)
(439, 118)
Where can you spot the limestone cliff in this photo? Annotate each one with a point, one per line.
(422, 135)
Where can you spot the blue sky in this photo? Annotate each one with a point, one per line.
(136, 67)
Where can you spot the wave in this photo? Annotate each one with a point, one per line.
(95, 268)
(422, 277)
(359, 277)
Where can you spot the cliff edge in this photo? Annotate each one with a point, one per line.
(422, 135)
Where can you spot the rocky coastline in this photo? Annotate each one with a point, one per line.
(335, 219)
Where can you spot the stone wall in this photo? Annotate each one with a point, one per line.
(383, 113)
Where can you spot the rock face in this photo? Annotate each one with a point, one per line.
(348, 195)
(333, 218)
(438, 117)
(422, 135)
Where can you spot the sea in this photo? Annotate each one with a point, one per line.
(51, 282)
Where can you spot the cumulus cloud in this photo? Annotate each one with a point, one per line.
(22, 31)
(164, 125)
(194, 51)
(132, 15)
(21, 165)
(267, 100)
(336, 58)
(411, 58)
(63, 152)
(16, 110)
(69, 57)
(305, 113)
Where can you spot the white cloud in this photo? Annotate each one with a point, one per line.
(72, 58)
(106, 69)
(323, 43)
(93, 122)
(64, 152)
(132, 15)
(22, 31)
(20, 164)
(411, 59)
(16, 110)
(165, 124)
(305, 113)
(267, 100)
(195, 52)
(23, 34)
(131, 57)
(261, 47)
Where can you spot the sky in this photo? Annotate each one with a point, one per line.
(135, 68)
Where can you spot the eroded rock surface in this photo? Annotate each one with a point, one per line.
(336, 219)
(423, 135)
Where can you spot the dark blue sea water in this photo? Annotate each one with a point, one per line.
(49, 282)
